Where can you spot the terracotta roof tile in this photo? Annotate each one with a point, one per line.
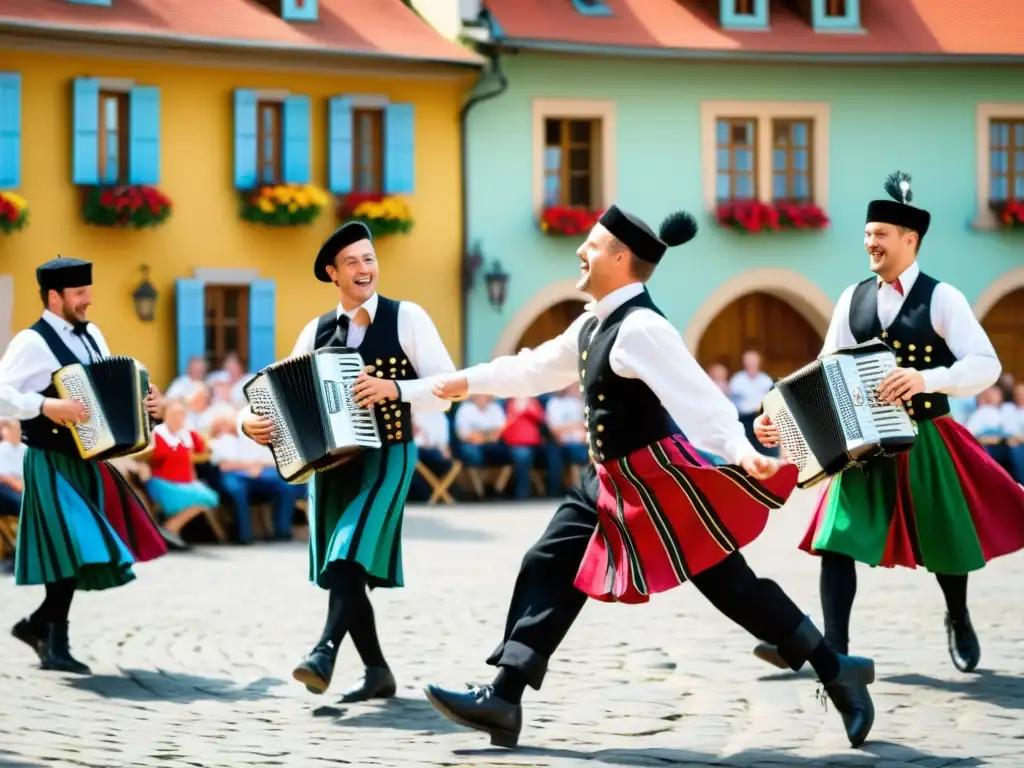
(891, 27)
(382, 28)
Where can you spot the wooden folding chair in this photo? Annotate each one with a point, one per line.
(187, 515)
(8, 536)
(439, 486)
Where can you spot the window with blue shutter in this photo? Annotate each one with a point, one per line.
(744, 14)
(144, 136)
(836, 15)
(299, 10)
(86, 130)
(10, 130)
(296, 140)
(399, 149)
(190, 308)
(261, 324)
(339, 148)
(245, 139)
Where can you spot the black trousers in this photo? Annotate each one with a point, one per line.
(545, 603)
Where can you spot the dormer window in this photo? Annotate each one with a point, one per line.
(835, 9)
(91, 2)
(744, 14)
(836, 15)
(293, 10)
(745, 7)
(592, 7)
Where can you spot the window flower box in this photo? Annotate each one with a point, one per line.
(754, 216)
(383, 215)
(13, 212)
(283, 205)
(131, 207)
(1009, 214)
(563, 220)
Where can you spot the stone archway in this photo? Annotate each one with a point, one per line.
(542, 301)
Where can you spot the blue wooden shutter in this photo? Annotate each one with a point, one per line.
(296, 140)
(339, 150)
(85, 152)
(144, 135)
(400, 149)
(261, 324)
(190, 306)
(245, 139)
(10, 130)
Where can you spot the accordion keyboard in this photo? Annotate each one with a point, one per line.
(338, 372)
(890, 420)
(78, 388)
(262, 401)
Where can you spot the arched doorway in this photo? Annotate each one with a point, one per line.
(1004, 324)
(765, 323)
(550, 323)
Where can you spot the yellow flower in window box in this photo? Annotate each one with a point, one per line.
(382, 215)
(13, 212)
(283, 205)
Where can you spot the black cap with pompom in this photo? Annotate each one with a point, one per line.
(676, 229)
(898, 211)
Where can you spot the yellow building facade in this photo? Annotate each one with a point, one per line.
(253, 279)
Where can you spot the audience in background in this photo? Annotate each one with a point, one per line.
(186, 384)
(524, 438)
(227, 383)
(719, 374)
(747, 389)
(988, 422)
(12, 457)
(173, 484)
(567, 423)
(432, 435)
(1013, 427)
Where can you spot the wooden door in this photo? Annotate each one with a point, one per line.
(227, 323)
(550, 323)
(1004, 324)
(763, 323)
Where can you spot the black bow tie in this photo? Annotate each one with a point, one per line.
(78, 328)
(340, 337)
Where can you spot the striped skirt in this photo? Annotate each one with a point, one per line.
(80, 519)
(356, 513)
(667, 512)
(945, 505)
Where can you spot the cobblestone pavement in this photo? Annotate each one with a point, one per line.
(192, 667)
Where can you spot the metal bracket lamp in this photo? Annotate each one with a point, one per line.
(145, 296)
(496, 281)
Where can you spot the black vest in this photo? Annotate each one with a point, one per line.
(380, 348)
(911, 335)
(622, 415)
(40, 432)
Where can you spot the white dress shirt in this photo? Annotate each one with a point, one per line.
(432, 429)
(986, 421)
(566, 411)
(182, 387)
(647, 348)
(239, 448)
(28, 365)
(977, 367)
(419, 340)
(748, 392)
(472, 418)
(1013, 419)
(12, 459)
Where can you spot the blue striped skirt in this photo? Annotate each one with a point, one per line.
(177, 497)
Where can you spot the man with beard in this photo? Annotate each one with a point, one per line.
(945, 505)
(356, 509)
(652, 511)
(81, 526)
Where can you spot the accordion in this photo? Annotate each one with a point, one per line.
(829, 416)
(317, 426)
(113, 390)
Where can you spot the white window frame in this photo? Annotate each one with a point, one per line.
(984, 218)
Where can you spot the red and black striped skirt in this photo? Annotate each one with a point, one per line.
(669, 511)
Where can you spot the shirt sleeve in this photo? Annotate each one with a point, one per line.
(422, 343)
(649, 348)
(25, 359)
(548, 368)
(839, 333)
(977, 366)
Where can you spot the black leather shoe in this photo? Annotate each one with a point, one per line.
(316, 671)
(58, 652)
(478, 708)
(770, 653)
(377, 683)
(849, 693)
(964, 648)
(33, 638)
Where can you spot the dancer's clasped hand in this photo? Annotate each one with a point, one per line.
(759, 467)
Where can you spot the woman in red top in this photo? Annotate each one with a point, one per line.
(524, 434)
(173, 484)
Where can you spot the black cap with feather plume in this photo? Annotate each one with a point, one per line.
(898, 211)
(676, 229)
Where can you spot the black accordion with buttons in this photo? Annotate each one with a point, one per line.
(113, 390)
(317, 426)
(829, 416)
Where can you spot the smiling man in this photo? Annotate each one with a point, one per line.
(356, 509)
(945, 505)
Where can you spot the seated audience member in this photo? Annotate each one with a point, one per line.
(185, 385)
(173, 484)
(747, 389)
(719, 374)
(12, 457)
(961, 408)
(217, 405)
(432, 435)
(248, 474)
(478, 424)
(987, 424)
(1013, 427)
(564, 416)
(524, 438)
(234, 374)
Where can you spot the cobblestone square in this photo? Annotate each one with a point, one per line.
(192, 666)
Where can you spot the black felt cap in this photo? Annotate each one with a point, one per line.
(60, 273)
(677, 228)
(348, 233)
(898, 211)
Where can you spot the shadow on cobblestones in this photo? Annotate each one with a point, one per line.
(990, 687)
(10, 760)
(432, 529)
(415, 715)
(161, 685)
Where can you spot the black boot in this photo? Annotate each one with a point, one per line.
(964, 648)
(377, 683)
(36, 639)
(478, 708)
(58, 656)
(316, 671)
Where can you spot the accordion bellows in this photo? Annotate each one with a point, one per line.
(113, 390)
(317, 426)
(829, 416)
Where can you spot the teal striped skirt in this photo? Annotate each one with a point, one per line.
(81, 520)
(356, 514)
